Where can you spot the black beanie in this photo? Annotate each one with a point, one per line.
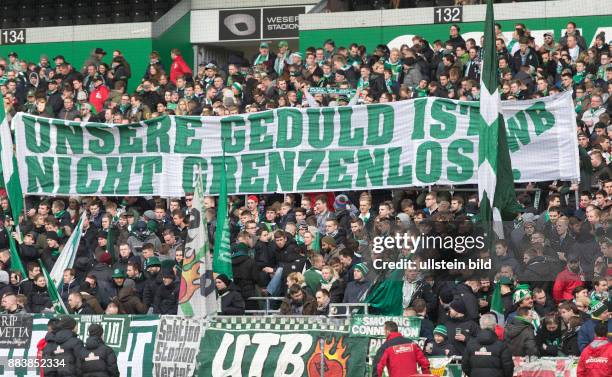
(95, 330)
(458, 305)
(224, 279)
(66, 323)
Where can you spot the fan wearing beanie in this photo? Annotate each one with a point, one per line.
(441, 345)
(97, 359)
(229, 301)
(459, 328)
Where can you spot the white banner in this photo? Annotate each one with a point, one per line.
(419, 142)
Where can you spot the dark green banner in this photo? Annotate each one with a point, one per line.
(296, 347)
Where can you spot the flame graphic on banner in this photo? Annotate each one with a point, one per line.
(335, 359)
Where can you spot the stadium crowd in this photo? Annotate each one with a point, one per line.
(554, 265)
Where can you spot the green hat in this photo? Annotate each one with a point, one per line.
(167, 264)
(298, 54)
(521, 293)
(597, 308)
(118, 274)
(237, 86)
(363, 268)
(283, 44)
(441, 329)
(151, 262)
(264, 45)
(504, 280)
(31, 93)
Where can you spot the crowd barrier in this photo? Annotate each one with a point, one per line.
(152, 345)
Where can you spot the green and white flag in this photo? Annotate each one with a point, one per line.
(497, 304)
(67, 255)
(222, 260)
(197, 293)
(495, 180)
(12, 185)
(58, 304)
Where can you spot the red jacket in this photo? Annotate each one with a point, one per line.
(98, 96)
(40, 346)
(596, 359)
(565, 283)
(179, 68)
(400, 355)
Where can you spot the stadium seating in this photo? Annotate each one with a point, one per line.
(45, 13)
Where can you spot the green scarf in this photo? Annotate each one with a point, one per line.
(389, 83)
(59, 214)
(395, 68)
(361, 84)
(55, 252)
(241, 249)
(579, 77)
(420, 92)
(261, 59)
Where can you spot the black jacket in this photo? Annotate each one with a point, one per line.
(28, 253)
(377, 85)
(520, 338)
(246, 276)
(5, 288)
(486, 356)
(85, 309)
(150, 287)
(355, 291)
(67, 351)
(97, 359)
(530, 59)
(548, 342)
(56, 102)
(67, 289)
(166, 299)
(423, 290)
(467, 295)
(47, 353)
(38, 299)
(468, 328)
(442, 348)
(537, 273)
(231, 302)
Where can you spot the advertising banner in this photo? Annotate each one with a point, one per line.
(278, 346)
(372, 326)
(411, 143)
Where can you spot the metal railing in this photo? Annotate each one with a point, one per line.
(267, 310)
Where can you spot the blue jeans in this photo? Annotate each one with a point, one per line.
(275, 283)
